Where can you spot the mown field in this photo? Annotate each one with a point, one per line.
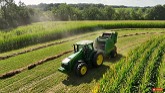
(138, 67)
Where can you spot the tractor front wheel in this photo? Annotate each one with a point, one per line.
(98, 59)
(81, 69)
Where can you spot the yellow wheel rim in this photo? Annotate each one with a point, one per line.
(99, 59)
(83, 70)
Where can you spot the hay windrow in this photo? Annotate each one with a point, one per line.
(63, 41)
(17, 71)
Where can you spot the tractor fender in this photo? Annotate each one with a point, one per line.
(80, 61)
(77, 63)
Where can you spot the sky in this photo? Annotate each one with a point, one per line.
(140, 3)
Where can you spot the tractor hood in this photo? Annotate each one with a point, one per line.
(69, 62)
(71, 57)
(68, 59)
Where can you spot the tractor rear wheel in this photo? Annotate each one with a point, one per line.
(114, 53)
(98, 59)
(81, 69)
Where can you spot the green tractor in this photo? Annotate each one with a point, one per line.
(88, 53)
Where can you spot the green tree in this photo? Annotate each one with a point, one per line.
(157, 13)
(64, 12)
(13, 15)
(109, 12)
(92, 13)
(137, 14)
(122, 14)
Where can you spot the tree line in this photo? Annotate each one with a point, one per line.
(13, 15)
(104, 12)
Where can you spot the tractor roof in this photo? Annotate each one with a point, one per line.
(84, 42)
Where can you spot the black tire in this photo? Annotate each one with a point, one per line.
(81, 69)
(113, 54)
(98, 59)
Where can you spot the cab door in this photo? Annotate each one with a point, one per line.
(88, 49)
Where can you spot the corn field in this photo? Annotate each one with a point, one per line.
(47, 31)
(138, 72)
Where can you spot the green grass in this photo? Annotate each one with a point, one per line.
(46, 78)
(37, 55)
(31, 57)
(47, 43)
(31, 76)
(121, 32)
(48, 31)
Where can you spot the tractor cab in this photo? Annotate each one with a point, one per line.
(85, 45)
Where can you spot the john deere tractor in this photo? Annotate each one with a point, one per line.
(90, 53)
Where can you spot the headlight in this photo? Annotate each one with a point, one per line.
(65, 61)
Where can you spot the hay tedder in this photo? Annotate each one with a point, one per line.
(90, 53)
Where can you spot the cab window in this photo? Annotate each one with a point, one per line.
(77, 48)
(90, 47)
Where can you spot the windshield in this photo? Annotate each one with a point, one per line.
(90, 47)
(77, 47)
